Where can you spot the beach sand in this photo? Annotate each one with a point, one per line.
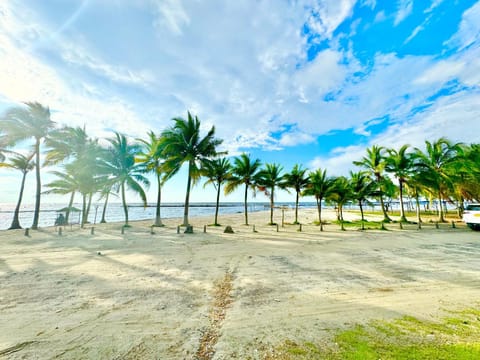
(165, 295)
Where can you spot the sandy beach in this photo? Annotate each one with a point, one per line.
(139, 295)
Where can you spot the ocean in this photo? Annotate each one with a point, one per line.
(49, 212)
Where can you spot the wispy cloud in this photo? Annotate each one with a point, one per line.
(404, 9)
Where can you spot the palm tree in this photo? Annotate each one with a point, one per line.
(152, 158)
(216, 171)
(434, 164)
(244, 171)
(340, 193)
(268, 179)
(374, 162)
(297, 180)
(400, 164)
(24, 164)
(123, 170)
(182, 143)
(66, 183)
(319, 186)
(363, 187)
(22, 123)
(66, 143)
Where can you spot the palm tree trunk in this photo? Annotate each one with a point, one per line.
(319, 207)
(36, 213)
(245, 204)
(124, 203)
(70, 203)
(271, 207)
(89, 205)
(417, 201)
(84, 210)
(158, 218)
(402, 211)
(340, 212)
(187, 195)
(296, 208)
(440, 208)
(104, 211)
(361, 212)
(216, 207)
(385, 215)
(16, 221)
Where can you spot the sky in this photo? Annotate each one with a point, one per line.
(287, 81)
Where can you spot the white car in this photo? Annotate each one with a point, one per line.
(471, 216)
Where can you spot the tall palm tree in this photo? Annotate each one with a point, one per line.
(374, 162)
(123, 170)
(434, 164)
(24, 164)
(152, 158)
(400, 164)
(216, 171)
(66, 143)
(363, 187)
(319, 186)
(340, 193)
(270, 178)
(183, 144)
(298, 180)
(21, 123)
(244, 172)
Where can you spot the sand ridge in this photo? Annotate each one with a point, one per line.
(139, 295)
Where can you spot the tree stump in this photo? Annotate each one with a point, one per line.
(228, 230)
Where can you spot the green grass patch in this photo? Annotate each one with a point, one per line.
(456, 337)
(357, 224)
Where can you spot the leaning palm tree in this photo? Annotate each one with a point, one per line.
(363, 187)
(24, 164)
(269, 179)
(20, 123)
(374, 162)
(122, 169)
(182, 143)
(66, 143)
(435, 163)
(320, 187)
(298, 180)
(244, 172)
(216, 171)
(341, 193)
(152, 158)
(400, 164)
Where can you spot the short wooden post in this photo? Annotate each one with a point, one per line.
(178, 229)
(204, 228)
(151, 230)
(419, 227)
(27, 231)
(122, 230)
(277, 227)
(59, 231)
(300, 228)
(436, 224)
(401, 226)
(453, 224)
(254, 229)
(92, 230)
(283, 218)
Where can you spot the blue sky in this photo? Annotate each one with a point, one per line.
(297, 81)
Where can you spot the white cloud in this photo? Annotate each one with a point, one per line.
(405, 8)
(433, 6)
(469, 29)
(172, 15)
(328, 15)
(369, 3)
(380, 16)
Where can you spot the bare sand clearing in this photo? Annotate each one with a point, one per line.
(181, 296)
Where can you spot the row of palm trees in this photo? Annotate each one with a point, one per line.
(444, 171)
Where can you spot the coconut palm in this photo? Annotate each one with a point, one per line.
(217, 172)
(182, 143)
(400, 164)
(270, 178)
(434, 165)
(152, 158)
(340, 193)
(23, 164)
(374, 162)
(21, 123)
(244, 172)
(66, 183)
(363, 188)
(319, 186)
(298, 180)
(66, 143)
(122, 169)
